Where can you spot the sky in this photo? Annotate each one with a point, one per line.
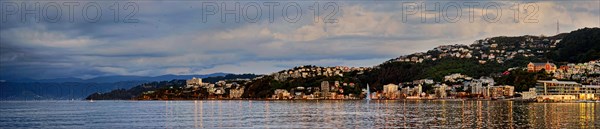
(86, 39)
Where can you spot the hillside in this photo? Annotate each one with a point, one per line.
(486, 57)
(490, 57)
(509, 52)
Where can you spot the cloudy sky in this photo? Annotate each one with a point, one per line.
(84, 39)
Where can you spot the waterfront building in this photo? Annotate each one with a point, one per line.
(419, 90)
(440, 91)
(531, 94)
(502, 91)
(556, 97)
(415, 91)
(566, 90)
(390, 90)
(476, 88)
(590, 92)
(486, 92)
(325, 89)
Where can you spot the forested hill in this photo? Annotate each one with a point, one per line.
(578, 46)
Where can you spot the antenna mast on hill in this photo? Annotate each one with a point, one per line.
(557, 27)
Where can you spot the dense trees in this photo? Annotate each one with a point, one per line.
(578, 46)
(122, 94)
(264, 87)
(521, 79)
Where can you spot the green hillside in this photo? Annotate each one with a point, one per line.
(578, 46)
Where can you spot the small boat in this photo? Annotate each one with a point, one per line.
(91, 101)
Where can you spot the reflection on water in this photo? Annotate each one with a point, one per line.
(297, 114)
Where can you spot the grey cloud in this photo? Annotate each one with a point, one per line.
(171, 39)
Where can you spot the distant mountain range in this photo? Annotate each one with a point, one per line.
(117, 78)
(130, 93)
(75, 88)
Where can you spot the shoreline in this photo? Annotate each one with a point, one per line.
(514, 100)
(375, 100)
(291, 100)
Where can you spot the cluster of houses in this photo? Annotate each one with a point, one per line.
(461, 86)
(313, 71)
(453, 86)
(458, 85)
(393, 91)
(487, 50)
(327, 90)
(554, 90)
(583, 72)
(218, 89)
(586, 73)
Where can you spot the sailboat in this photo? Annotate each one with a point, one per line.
(368, 92)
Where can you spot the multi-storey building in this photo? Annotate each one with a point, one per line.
(566, 90)
(390, 91)
(325, 89)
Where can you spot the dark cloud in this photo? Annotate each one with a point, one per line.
(170, 38)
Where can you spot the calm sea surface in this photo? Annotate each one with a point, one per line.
(297, 114)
